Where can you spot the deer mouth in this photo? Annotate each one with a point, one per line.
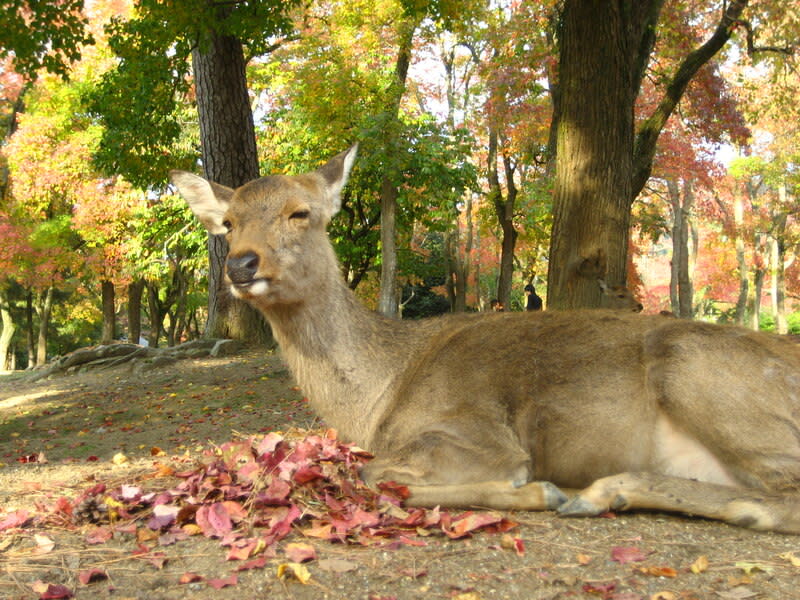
(250, 288)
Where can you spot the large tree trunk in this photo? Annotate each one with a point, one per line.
(135, 290)
(30, 342)
(109, 312)
(388, 296)
(229, 155)
(681, 290)
(600, 168)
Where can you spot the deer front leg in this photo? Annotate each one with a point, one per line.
(737, 506)
(498, 495)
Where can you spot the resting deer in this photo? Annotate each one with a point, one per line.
(497, 410)
(619, 297)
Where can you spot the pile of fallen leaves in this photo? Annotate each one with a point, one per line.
(250, 494)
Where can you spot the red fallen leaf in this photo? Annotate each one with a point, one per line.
(213, 520)
(99, 535)
(189, 578)
(256, 563)
(92, 458)
(242, 549)
(471, 521)
(55, 592)
(299, 552)
(658, 571)
(601, 589)
(627, 554)
(91, 575)
(16, 519)
(218, 584)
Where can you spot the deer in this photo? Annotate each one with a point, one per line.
(580, 412)
(619, 297)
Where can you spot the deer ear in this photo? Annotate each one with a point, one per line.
(334, 174)
(208, 201)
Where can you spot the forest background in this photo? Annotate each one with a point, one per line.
(458, 106)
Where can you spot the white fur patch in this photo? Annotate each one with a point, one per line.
(679, 455)
(258, 288)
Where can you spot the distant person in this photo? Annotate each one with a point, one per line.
(534, 302)
(496, 305)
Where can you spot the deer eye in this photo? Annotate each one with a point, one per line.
(227, 224)
(300, 214)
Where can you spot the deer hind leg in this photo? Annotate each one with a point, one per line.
(440, 470)
(737, 506)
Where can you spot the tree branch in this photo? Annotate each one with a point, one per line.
(645, 145)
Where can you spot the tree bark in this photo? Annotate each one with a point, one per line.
(603, 53)
(388, 295)
(741, 260)
(230, 158)
(109, 312)
(778, 256)
(600, 166)
(504, 210)
(45, 310)
(7, 333)
(135, 290)
(30, 342)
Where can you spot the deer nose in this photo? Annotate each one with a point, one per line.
(242, 269)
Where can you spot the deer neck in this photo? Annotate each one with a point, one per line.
(344, 357)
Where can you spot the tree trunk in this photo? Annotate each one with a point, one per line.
(602, 58)
(681, 290)
(741, 260)
(45, 310)
(135, 290)
(504, 210)
(6, 335)
(778, 256)
(29, 338)
(109, 312)
(600, 169)
(388, 295)
(228, 142)
(156, 315)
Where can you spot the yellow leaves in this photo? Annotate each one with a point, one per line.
(119, 459)
(700, 565)
(295, 571)
(791, 558)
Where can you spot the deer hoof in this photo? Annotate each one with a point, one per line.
(554, 498)
(579, 507)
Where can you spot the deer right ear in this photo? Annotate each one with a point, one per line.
(335, 173)
(208, 201)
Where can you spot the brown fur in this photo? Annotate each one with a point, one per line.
(484, 409)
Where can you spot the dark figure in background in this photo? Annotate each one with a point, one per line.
(534, 301)
(496, 305)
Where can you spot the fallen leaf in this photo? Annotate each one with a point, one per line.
(627, 554)
(739, 593)
(189, 577)
(44, 544)
(52, 591)
(295, 570)
(16, 519)
(700, 565)
(790, 556)
(658, 571)
(156, 451)
(299, 552)
(98, 535)
(583, 559)
(751, 567)
(663, 596)
(336, 565)
(91, 575)
(220, 583)
(119, 459)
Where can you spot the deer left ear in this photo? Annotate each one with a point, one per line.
(208, 201)
(335, 173)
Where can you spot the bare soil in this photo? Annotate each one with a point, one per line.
(60, 436)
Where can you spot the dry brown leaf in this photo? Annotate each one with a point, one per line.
(700, 565)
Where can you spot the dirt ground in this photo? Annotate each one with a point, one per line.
(61, 436)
